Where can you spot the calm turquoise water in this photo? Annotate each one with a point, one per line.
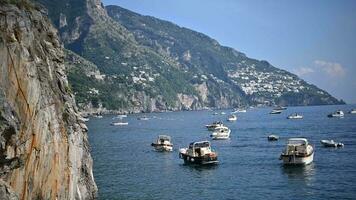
(126, 167)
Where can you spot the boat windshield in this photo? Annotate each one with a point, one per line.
(297, 141)
(199, 144)
(164, 137)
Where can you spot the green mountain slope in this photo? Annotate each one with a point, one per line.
(140, 63)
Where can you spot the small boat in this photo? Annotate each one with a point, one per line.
(273, 137)
(215, 113)
(214, 125)
(99, 116)
(274, 111)
(331, 143)
(120, 123)
(338, 113)
(280, 108)
(239, 110)
(221, 133)
(297, 152)
(295, 116)
(144, 118)
(232, 118)
(163, 143)
(199, 153)
(352, 111)
(223, 113)
(84, 119)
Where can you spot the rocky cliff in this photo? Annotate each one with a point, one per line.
(44, 151)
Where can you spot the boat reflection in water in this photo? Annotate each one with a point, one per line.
(297, 174)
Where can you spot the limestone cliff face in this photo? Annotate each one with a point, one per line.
(44, 152)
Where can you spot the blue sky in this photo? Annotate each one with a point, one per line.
(314, 39)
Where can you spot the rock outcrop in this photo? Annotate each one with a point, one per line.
(44, 151)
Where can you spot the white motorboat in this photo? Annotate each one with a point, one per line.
(352, 111)
(84, 119)
(331, 143)
(199, 153)
(99, 116)
(297, 152)
(119, 123)
(144, 118)
(232, 118)
(280, 108)
(163, 143)
(239, 110)
(338, 113)
(214, 125)
(273, 137)
(295, 116)
(274, 111)
(222, 113)
(221, 133)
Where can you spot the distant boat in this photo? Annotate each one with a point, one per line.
(84, 119)
(232, 118)
(119, 123)
(331, 143)
(199, 153)
(222, 113)
(275, 111)
(295, 116)
(280, 108)
(239, 110)
(98, 116)
(297, 152)
(214, 125)
(352, 111)
(215, 113)
(338, 113)
(144, 118)
(221, 133)
(163, 143)
(273, 137)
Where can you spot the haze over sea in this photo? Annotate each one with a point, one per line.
(126, 167)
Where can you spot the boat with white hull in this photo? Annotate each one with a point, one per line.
(331, 143)
(297, 152)
(163, 143)
(214, 125)
(295, 116)
(352, 111)
(221, 133)
(119, 123)
(199, 153)
(338, 113)
(232, 118)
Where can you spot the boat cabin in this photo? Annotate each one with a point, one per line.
(197, 149)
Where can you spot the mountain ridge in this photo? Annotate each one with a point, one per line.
(153, 65)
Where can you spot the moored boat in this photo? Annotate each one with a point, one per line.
(221, 133)
(232, 118)
(297, 152)
(214, 125)
(163, 143)
(239, 110)
(338, 113)
(353, 111)
(119, 123)
(274, 111)
(295, 116)
(199, 153)
(331, 143)
(273, 137)
(143, 118)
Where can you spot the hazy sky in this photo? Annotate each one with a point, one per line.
(314, 39)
